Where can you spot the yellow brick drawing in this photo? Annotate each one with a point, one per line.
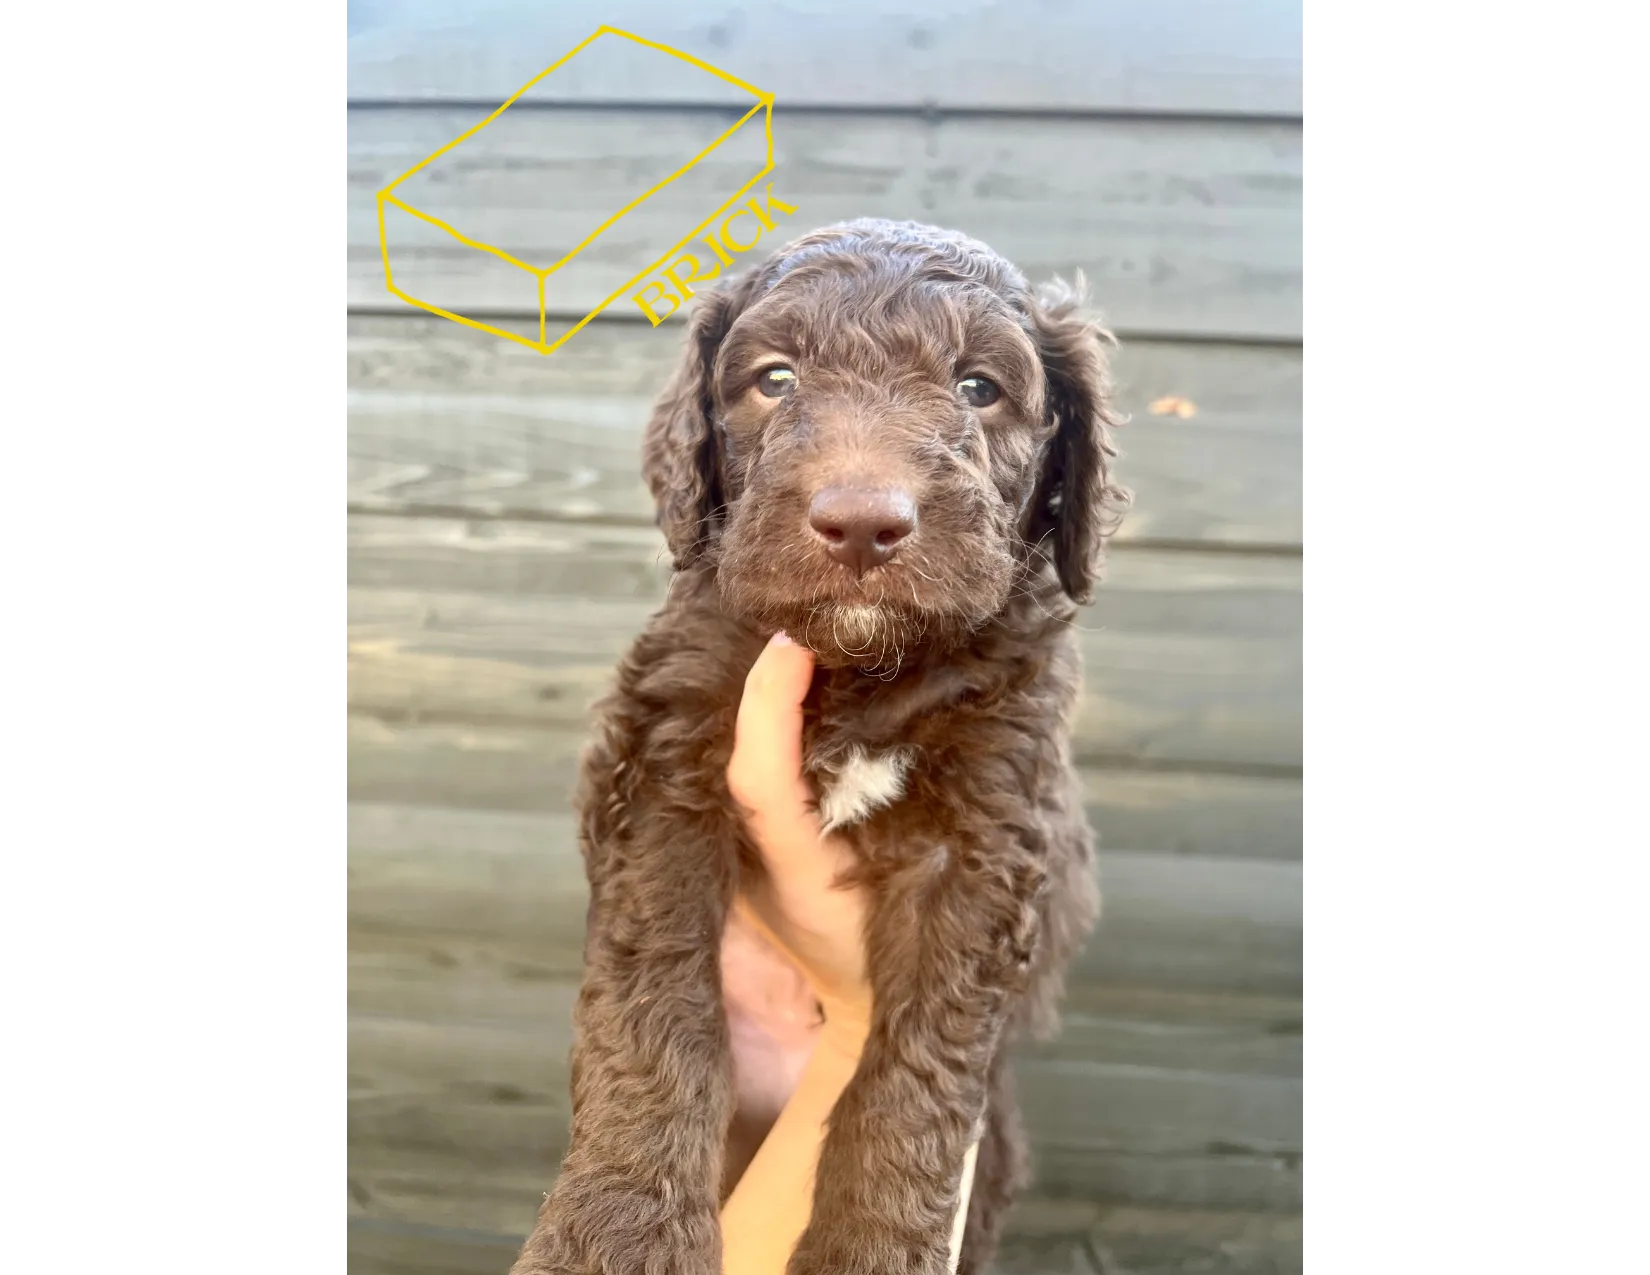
(542, 274)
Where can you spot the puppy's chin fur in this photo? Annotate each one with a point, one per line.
(870, 638)
(874, 639)
(880, 640)
(872, 628)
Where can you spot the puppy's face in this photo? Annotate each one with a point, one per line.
(888, 432)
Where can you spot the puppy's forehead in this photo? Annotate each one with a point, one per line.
(869, 244)
(877, 262)
(836, 304)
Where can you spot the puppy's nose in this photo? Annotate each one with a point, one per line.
(862, 528)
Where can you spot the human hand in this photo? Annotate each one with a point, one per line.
(818, 927)
(817, 923)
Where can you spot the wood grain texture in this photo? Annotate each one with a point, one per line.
(1193, 812)
(1237, 388)
(1181, 226)
(430, 977)
(431, 1102)
(387, 1248)
(1104, 55)
(1190, 659)
(458, 1082)
(443, 417)
(488, 766)
(1043, 1237)
(1132, 1240)
(515, 879)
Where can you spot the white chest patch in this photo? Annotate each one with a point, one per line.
(860, 785)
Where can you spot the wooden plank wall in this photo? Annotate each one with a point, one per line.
(502, 554)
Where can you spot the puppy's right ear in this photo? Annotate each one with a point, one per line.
(680, 457)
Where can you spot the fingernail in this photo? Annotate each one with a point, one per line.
(781, 638)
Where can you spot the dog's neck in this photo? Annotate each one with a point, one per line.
(858, 728)
(848, 707)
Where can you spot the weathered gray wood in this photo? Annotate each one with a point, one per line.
(1236, 388)
(1149, 1241)
(451, 1038)
(391, 1248)
(413, 1183)
(1185, 921)
(409, 1206)
(476, 766)
(1171, 55)
(408, 1249)
(576, 457)
(457, 420)
(1117, 1240)
(489, 766)
(431, 977)
(1121, 1241)
(1190, 812)
(496, 1099)
(1182, 226)
(433, 1158)
(1043, 1255)
(1174, 1030)
(1190, 659)
(1200, 923)
(1216, 1176)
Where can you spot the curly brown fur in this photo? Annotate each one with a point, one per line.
(955, 654)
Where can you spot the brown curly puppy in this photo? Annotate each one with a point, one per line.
(884, 442)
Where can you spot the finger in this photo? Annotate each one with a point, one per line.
(765, 773)
(765, 776)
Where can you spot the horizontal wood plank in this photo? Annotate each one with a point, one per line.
(430, 1247)
(1142, 1240)
(1189, 659)
(1192, 812)
(488, 766)
(443, 417)
(1173, 922)
(1181, 226)
(1042, 1237)
(437, 978)
(1237, 388)
(1134, 1239)
(1105, 55)
(425, 1247)
(408, 1249)
(410, 1194)
(448, 1030)
(428, 1157)
(496, 1099)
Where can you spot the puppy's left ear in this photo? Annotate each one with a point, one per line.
(680, 460)
(1076, 505)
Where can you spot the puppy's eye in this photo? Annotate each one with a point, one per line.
(979, 392)
(776, 382)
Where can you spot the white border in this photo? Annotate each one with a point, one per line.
(1476, 481)
(173, 506)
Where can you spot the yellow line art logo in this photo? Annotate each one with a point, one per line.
(761, 210)
(677, 268)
